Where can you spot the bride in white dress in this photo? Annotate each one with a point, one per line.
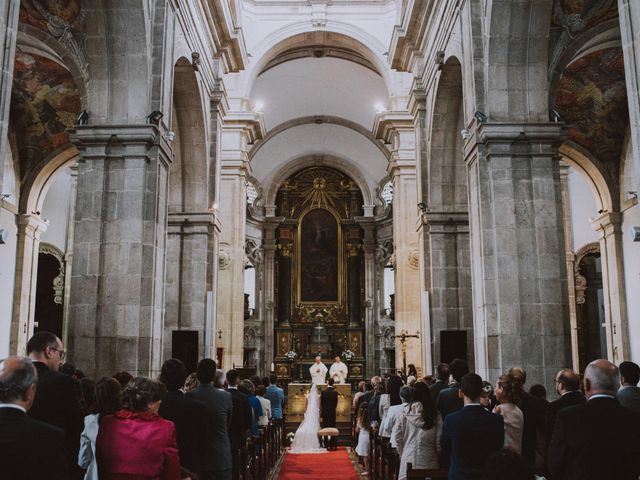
(306, 437)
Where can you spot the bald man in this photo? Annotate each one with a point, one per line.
(29, 449)
(568, 389)
(600, 439)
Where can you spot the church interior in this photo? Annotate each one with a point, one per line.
(260, 181)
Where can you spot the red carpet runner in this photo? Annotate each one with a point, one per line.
(318, 466)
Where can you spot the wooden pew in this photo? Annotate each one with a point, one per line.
(426, 474)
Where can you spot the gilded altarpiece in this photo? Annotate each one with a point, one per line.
(319, 274)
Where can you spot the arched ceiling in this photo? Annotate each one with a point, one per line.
(320, 140)
(319, 86)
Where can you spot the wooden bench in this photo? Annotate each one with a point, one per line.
(426, 474)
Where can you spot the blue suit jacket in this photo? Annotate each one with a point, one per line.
(470, 435)
(276, 396)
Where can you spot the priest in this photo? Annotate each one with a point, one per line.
(339, 371)
(318, 371)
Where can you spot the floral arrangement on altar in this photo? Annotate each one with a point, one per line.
(291, 355)
(290, 437)
(348, 355)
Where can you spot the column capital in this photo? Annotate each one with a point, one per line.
(442, 222)
(608, 223)
(31, 225)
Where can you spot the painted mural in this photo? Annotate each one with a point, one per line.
(44, 14)
(44, 103)
(319, 257)
(592, 99)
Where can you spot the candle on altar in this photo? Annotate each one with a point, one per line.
(273, 367)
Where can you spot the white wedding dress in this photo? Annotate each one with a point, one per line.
(306, 437)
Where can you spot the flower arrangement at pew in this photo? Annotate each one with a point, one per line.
(290, 437)
(291, 355)
(348, 355)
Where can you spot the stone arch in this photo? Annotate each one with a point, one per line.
(299, 34)
(515, 70)
(272, 184)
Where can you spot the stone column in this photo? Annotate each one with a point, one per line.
(186, 279)
(284, 277)
(268, 290)
(8, 30)
(30, 228)
(615, 301)
(371, 305)
(517, 250)
(68, 254)
(353, 283)
(116, 309)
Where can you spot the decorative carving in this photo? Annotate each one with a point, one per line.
(308, 313)
(224, 259)
(58, 281)
(388, 338)
(253, 252)
(285, 249)
(581, 287)
(384, 251)
(414, 258)
(353, 249)
(579, 279)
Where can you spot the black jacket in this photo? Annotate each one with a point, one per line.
(241, 418)
(328, 404)
(533, 411)
(629, 397)
(436, 388)
(595, 441)
(57, 403)
(188, 415)
(30, 449)
(569, 399)
(449, 401)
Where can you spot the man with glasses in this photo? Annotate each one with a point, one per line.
(57, 399)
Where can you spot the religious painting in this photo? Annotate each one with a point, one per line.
(319, 257)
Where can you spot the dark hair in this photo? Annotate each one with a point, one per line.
(394, 384)
(15, 381)
(206, 370)
(368, 386)
(511, 387)
(471, 385)
(423, 395)
(538, 391)
(87, 394)
(631, 372)
(79, 374)
(256, 380)
(411, 370)
(266, 381)
(442, 371)
(458, 369)
(273, 378)
(123, 378)
(140, 392)
(232, 377)
(67, 369)
(519, 373)
(407, 393)
(331, 381)
(505, 464)
(380, 388)
(40, 341)
(569, 379)
(108, 392)
(363, 415)
(173, 374)
(261, 390)
(246, 386)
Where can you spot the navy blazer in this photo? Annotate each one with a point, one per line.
(629, 397)
(470, 436)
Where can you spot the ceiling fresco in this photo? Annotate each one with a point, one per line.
(44, 103)
(592, 100)
(42, 13)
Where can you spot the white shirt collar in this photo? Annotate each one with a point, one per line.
(601, 395)
(13, 405)
(472, 405)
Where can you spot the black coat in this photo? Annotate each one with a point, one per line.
(328, 404)
(57, 403)
(30, 449)
(595, 441)
(629, 397)
(241, 418)
(436, 388)
(533, 411)
(569, 399)
(449, 400)
(188, 415)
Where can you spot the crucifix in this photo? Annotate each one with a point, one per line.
(404, 336)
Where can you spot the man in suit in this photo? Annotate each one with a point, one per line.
(29, 449)
(57, 400)
(600, 439)
(276, 396)
(533, 411)
(449, 399)
(629, 393)
(328, 404)
(471, 434)
(442, 372)
(568, 388)
(188, 415)
(216, 462)
(241, 422)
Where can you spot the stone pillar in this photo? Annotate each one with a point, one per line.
(8, 30)
(615, 301)
(629, 11)
(68, 254)
(517, 250)
(30, 228)
(186, 279)
(116, 309)
(284, 277)
(353, 284)
(371, 305)
(268, 291)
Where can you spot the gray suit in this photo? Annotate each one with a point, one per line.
(629, 397)
(217, 452)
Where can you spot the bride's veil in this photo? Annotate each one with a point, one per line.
(306, 437)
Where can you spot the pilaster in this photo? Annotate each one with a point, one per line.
(9, 12)
(68, 255)
(116, 309)
(518, 253)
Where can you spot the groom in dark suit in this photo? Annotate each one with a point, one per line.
(328, 404)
